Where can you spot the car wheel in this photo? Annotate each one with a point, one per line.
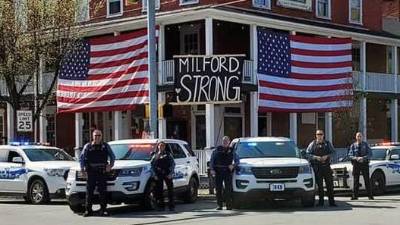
(77, 208)
(308, 200)
(378, 183)
(149, 200)
(192, 192)
(37, 192)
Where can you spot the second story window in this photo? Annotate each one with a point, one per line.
(144, 5)
(264, 4)
(355, 11)
(188, 2)
(114, 8)
(323, 8)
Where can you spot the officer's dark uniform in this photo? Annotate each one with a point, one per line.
(162, 167)
(221, 159)
(94, 159)
(323, 170)
(360, 150)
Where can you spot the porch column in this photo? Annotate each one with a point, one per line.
(394, 119)
(10, 123)
(78, 130)
(395, 68)
(162, 122)
(363, 116)
(117, 118)
(269, 124)
(210, 108)
(253, 95)
(43, 126)
(293, 126)
(328, 126)
(363, 64)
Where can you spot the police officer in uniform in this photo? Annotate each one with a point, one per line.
(319, 153)
(222, 163)
(360, 154)
(96, 160)
(163, 166)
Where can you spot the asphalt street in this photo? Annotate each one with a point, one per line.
(383, 210)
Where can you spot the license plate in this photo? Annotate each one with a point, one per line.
(277, 187)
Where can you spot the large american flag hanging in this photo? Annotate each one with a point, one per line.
(303, 74)
(106, 73)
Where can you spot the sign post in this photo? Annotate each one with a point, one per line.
(24, 121)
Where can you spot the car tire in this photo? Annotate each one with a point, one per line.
(308, 200)
(378, 183)
(38, 192)
(191, 194)
(77, 208)
(149, 199)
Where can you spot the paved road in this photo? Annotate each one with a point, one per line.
(383, 210)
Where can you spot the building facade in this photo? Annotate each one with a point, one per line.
(205, 27)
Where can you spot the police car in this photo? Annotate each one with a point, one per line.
(130, 179)
(36, 172)
(384, 170)
(271, 168)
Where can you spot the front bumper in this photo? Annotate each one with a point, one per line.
(264, 194)
(114, 197)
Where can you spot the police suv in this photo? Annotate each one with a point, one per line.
(130, 179)
(36, 172)
(271, 167)
(384, 170)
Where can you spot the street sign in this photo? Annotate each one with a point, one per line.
(24, 121)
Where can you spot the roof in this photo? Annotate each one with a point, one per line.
(319, 23)
(145, 141)
(263, 139)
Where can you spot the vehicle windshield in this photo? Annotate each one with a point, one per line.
(137, 151)
(47, 154)
(277, 149)
(377, 154)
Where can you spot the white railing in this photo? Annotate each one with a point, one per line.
(203, 156)
(168, 72)
(380, 82)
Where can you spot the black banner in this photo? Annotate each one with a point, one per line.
(208, 79)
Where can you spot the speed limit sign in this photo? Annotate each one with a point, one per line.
(24, 120)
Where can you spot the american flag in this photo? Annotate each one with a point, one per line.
(303, 74)
(107, 73)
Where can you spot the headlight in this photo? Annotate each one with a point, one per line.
(71, 174)
(244, 170)
(132, 172)
(305, 169)
(55, 172)
(80, 176)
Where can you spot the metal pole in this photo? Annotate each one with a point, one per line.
(152, 66)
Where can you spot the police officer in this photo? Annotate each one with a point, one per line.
(319, 153)
(360, 154)
(95, 164)
(163, 166)
(222, 163)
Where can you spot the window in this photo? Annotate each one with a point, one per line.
(323, 8)
(355, 11)
(190, 39)
(144, 5)
(395, 152)
(12, 155)
(188, 2)
(114, 8)
(82, 11)
(264, 4)
(177, 151)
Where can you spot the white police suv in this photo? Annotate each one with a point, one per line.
(36, 172)
(130, 179)
(384, 170)
(271, 168)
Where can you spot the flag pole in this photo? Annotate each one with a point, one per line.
(152, 66)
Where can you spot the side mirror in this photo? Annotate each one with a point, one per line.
(17, 160)
(394, 157)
